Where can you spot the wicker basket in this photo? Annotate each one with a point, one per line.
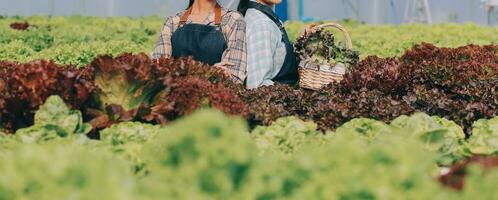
(314, 76)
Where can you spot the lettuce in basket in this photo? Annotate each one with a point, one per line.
(320, 47)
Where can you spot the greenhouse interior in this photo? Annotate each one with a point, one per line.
(249, 99)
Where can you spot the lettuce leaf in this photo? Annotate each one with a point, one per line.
(367, 128)
(203, 156)
(2, 136)
(54, 120)
(128, 139)
(119, 81)
(286, 135)
(63, 171)
(438, 134)
(129, 132)
(484, 139)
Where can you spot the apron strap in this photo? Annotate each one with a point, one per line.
(217, 15)
(185, 16)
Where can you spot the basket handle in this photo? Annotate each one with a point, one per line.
(341, 28)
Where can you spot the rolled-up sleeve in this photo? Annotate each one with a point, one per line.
(236, 52)
(163, 45)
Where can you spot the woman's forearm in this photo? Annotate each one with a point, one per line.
(163, 46)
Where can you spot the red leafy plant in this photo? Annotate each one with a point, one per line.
(186, 95)
(132, 87)
(26, 86)
(269, 103)
(459, 84)
(111, 90)
(124, 85)
(21, 26)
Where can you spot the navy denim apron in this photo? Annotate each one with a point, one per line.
(289, 72)
(205, 43)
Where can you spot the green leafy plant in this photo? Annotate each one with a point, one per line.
(286, 135)
(63, 171)
(128, 139)
(205, 155)
(484, 139)
(54, 120)
(367, 128)
(127, 81)
(26, 86)
(438, 134)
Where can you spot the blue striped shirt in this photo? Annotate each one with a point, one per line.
(265, 49)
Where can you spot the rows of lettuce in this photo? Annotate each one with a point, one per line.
(210, 155)
(457, 84)
(78, 40)
(75, 40)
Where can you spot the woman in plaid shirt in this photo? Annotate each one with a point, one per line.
(210, 34)
(270, 55)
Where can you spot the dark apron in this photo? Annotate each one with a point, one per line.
(288, 73)
(204, 43)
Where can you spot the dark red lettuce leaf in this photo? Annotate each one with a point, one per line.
(185, 95)
(27, 86)
(21, 26)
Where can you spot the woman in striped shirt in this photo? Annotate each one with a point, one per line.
(210, 34)
(270, 55)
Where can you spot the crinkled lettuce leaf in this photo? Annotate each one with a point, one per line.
(2, 136)
(438, 134)
(54, 120)
(432, 130)
(127, 81)
(129, 132)
(116, 89)
(63, 171)
(286, 135)
(128, 139)
(206, 155)
(367, 128)
(484, 139)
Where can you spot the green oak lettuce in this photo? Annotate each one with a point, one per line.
(484, 139)
(206, 155)
(3, 136)
(54, 120)
(348, 167)
(63, 171)
(438, 134)
(286, 135)
(367, 128)
(129, 132)
(128, 139)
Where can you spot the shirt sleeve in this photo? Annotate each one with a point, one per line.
(236, 52)
(261, 46)
(163, 45)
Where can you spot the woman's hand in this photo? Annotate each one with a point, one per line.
(224, 65)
